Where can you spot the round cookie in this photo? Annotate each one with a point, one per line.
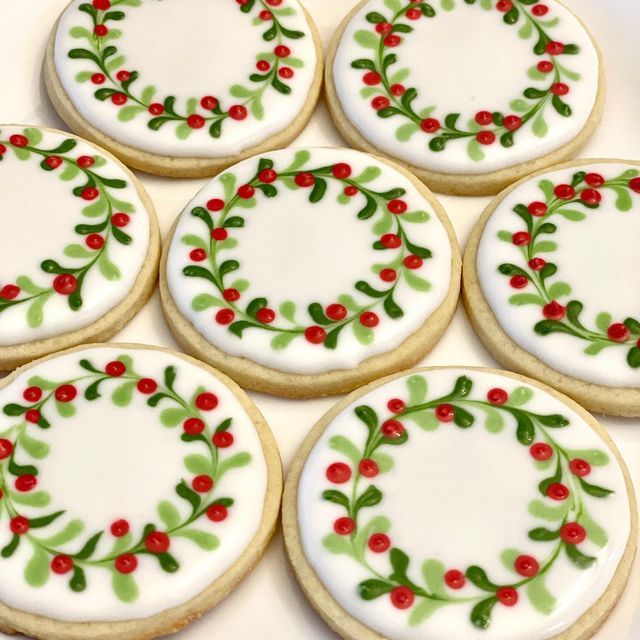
(460, 503)
(239, 77)
(309, 272)
(524, 92)
(138, 487)
(548, 275)
(79, 243)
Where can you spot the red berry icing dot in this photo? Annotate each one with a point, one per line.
(147, 385)
(392, 429)
(231, 295)
(65, 284)
(336, 312)
(539, 9)
(222, 439)
(412, 262)
(305, 179)
(98, 78)
(94, 241)
(368, 468)
(315, 334)
(32, 394)
(53, 162)
(634, 184)
(519, 282)
(198, 255)
(537, 208)
(402, 597)
(390, 240)
(61, 565)
(430, 125)
(395, 405)
(9, 292)
(202, 484)
(537, 263)
(380, 102)
(379, 542)
(526, 566)
(454, 579)
(238, 111)
(344, 526)
(6, 448)
(388, 275)
(193, 426)
(554, 310)
(18, 140)
(206, 401)
(225, 316)
(507, 596)
(504, 5)
(265, 315)
(119, 99)
(115, 369)
(541, 451)
(573, 533)
(338, 473)
(282, 51)
(545, 66)
(497, 396)
(618, 332)
(195, 121)
(594, 180)
(486, 137)
(219, 234)
(19, 525)
(209, 103)
(554, 48)
(558, 491)
(445, 413)
(369, 319)
(120, 219)
(512, 122)
(26, 483)
(268, 176)
(126, 563)
(397, 207)
(580, 467)
(89, 193)
(564, 192)
(521, 238)
(341, 171)
(392, 40)
(65, 393)
(33, 416)
(559, 88)
(217, 513)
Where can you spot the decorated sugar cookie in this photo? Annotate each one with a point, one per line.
(308, 272)
(137, 487)
(524, 90)
(458, 504)
(185, 87)
(549, 279)
(79, 243)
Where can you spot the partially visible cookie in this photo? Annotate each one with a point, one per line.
(79, 243)
(470, 95)
(550, 279)
(460, 504)
(185, 87)
(137, 488)
(309, 272)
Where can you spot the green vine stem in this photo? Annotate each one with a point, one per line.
(562, 504)
(573, 202)
(18, 481)
(326, 322)
(112, 215)
(274, 69)
(391, 98)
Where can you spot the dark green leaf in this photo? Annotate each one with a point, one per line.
(336, 496)
(372, 589)
(478, 576)
(481, 613)
(89, 547)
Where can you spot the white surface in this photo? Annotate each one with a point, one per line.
(276, 604)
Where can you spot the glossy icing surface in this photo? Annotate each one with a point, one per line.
(562, 292)
(75, 235)
(234, 75)
(457, 504)
(309, 260)
(131, 480)
(523, 84)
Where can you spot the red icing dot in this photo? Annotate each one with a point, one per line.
(246, 191)
(484, 117)
(231, 295)
(305, 179)
(120, 528)
(537, 263)
(414, 14)
(126, 563)
(338, 473)
(573, 533)
(545, 66)
(507, 596)
(521, 238)
(193, 426)
(430, 125)
(238, 112)
(526, 566)
(392, 40)
(634, 184)
(486, 137)
(559, 88)
(89, 193)
(61, 565)
(219, 234)
(511, 123)
(504, 5)
(369, 319)
(594, 180)
(9, 292)
(123, 75)
(391, 241)
(397, 207)
(341, 171)
(384, 27)
(286, 72)
(215, 204)
(519, 282)
(336, 312)
(282, 51)
(368, 468)
(379, 542)
(115, 369)
(225, 316)
(209, 103)
(445, 412)
(315, 334)
(402, 597)
(19, 140)
(454, 579)
(618, 332)
(412, 262)
(350, 190)
(196, 121)
(217, 513)
(222, 439)
(590, 196)
(344, 526)
(392, 429)
(395, 405)
(558, 491)
(266, 315)
(19, 525)
(102, 5)
(147, 385)
(66, 393)
(266, 15)
(541, 451)
(53, 162)
(554, 48)
(398, 89)
(388, 275)
(268, 176)
(537, 208)
(98, 78)
(26, 483)
(554, 311)
(32, 415)
(263, 65)
(6, 448)
(580, 467)
(206, 401)
(539, 9)
(32, 394)
(202, 484)
(155, 108)
(119, 99)
(120, 219)
(497, 396)
(198, 255)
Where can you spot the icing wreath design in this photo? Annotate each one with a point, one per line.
(535, 272)
(117, 84)
(563, 506)
(113, 217)
(393, 99)
(129, 549)
(325, 324)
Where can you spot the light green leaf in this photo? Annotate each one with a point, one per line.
(204, 540)
(241, 285)
(535, 74)
(238, 91)
(229, 243)
(343, 198)
(28, 285)
(83, 76)
(540, 128)
(122, 395)
(21, 154)
(192, 106)
(433, 573)
(369, 174)
(399, 76)
(347, 448)
(417, 387)
(173, 417)
(540, 596)
(35, 313)
(596, 347)
(37, 381)
(505, 236)
(595, 457)
(70, 172)
(338, 544)
(367, 92)
(246, 204)
(282, 340)
(77, 251)
(120, 205)
(299, 160)
(520, 299)
(416, 282)
(349, 302)
(169, 515)
(427, 111)
(296, 63)
(234, 462)
(520, 396)
(571, 214)
(122, 544)
(415, 216)
(198, 465)
(257, 109)
(559, 289)
(129, 112)
(36, 573)
(147, 94)
(494, 422)
(37, 499)
(404, 132)
(80, 32)
(35, 448)
(183, 131)
(107, 268)
(384, 224)
(114, 63)
(519, 105)
(192, 240)
(542, 510)
(508, 558)
(474, 150)
(206, 301)
(447, 5)
(394, 5)
(124, 586)
(525, 30)
(363, 334)
(424, 610)
(65, 409)
(98, 208)
(288, 311)
(383, 460)
(487, 5)
(595, 533)
(70, 532)
(545, 246)
(546, 186)
(424, 419)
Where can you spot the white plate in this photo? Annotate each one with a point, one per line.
(269, 605)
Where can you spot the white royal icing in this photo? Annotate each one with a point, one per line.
(486, 71)
(596, 256)
(291, 250)
(106, 463)
(40, 213)
(189, 49)
(460, 497)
